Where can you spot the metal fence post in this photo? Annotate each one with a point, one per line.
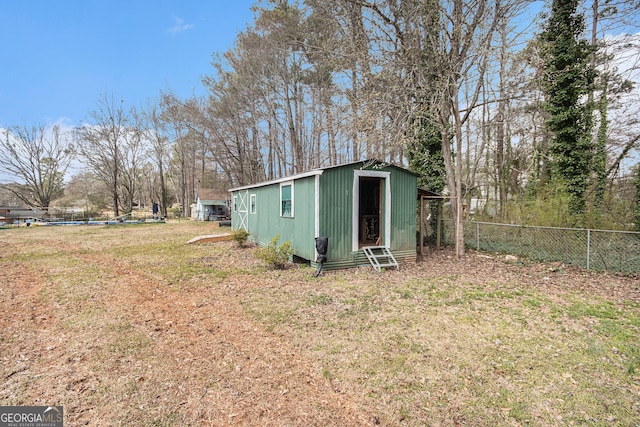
(588, 247)
(477, 236)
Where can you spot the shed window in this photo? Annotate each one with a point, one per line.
(286, 199)
(252, 204)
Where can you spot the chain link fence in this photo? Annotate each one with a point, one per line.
(600, 250)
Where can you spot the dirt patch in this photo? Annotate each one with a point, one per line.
(206, 363)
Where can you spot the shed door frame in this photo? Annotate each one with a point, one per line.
(243, 210)
(386, 176)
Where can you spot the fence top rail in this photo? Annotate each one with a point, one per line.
(552, 228)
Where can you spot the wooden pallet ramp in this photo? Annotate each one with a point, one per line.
(380, 257)
(211, 239)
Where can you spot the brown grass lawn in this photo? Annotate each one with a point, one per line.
(132, 326)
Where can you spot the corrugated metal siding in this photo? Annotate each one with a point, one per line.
(336, 199)
(303, 237)
(404, 194)
(266, 222)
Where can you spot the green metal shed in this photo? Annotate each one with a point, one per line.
(356, 205)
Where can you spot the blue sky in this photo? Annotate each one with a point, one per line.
(60, 57)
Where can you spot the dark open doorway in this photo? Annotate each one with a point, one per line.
(370, 211)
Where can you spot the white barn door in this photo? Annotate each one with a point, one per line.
(243, 210)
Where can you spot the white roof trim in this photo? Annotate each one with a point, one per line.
(278, 181)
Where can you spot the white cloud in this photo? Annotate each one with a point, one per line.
(180, 26)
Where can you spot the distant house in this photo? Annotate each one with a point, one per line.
(210, 205)
(356, 205)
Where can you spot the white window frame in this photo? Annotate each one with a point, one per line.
(252, 204)
(285, 184)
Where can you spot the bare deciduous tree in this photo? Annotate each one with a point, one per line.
(183, 157)
(151, 126)
(112, 149)
(38, 160)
